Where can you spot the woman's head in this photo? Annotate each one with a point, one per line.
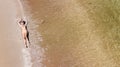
(22, 22)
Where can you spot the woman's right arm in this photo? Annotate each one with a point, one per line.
(18, 22)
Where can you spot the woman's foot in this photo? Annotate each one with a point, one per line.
(26, 46)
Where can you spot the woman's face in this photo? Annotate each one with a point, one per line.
(22, 23)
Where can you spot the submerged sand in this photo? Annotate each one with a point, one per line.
(69, 33)
(10, 37)
(77, 33)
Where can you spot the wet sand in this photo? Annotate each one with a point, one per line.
(10, 37)
(76, 33)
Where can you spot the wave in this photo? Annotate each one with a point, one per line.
(27, 57)
(33, 55)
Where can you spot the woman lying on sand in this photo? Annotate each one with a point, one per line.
(25, 33)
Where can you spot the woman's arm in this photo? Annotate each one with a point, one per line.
(18, 22)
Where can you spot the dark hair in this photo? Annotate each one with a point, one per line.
(22, 22)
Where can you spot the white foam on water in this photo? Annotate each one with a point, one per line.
(27, 57)
(37, 56)
(25, 51)
(33, 55)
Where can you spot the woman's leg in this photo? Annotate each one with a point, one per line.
(25, 40)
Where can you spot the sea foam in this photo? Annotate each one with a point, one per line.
(27, 57)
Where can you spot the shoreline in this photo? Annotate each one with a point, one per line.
(73, 33)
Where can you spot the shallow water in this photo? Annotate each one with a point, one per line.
(75, 33)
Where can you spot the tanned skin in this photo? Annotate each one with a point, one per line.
(25, 32)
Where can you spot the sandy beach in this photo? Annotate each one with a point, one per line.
(63, 33)
(10, 35)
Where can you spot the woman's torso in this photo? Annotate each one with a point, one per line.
(24, 29)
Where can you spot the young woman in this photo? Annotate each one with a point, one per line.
(25, 33)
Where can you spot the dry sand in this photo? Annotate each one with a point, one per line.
(10, 37)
